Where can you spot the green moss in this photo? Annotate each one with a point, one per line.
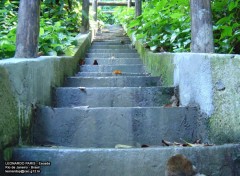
(158, 64)
(9, 113)
(225, 122)
(7, 154)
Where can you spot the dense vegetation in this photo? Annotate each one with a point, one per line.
(165, 25)
(60, 22)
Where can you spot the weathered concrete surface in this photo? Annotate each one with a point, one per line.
(108, 74)
(113, 96)
(109, 46)
(158, 64)
(102, 61)
(27, 82)
(110, 68)
(112, 51)
(225, 121)
(212, 161)
(112, 55)
(118, 81)
(208, 80)
(98, 127)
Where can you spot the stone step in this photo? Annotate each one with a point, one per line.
(114, 61)
(112, 96)
(106, 127)
(110, 46)
(112, 51)
(112, 55)
(214, 161)
(123, 81)
(111, 68)
(109, 74)
(114, 42)
(123, 41)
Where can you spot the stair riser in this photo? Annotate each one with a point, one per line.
(112, 55)
(107, 127)
(113, 82)
(108, 74)
(116, 61)
(215, 161)
(112, 51)
(110, 68)
(110, 46)
(113, 97)
(112, 43)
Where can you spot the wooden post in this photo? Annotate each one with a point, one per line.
(94, 6)
(201, 27)
(28, 29)
(138, 8)
(129, 3)
(85, 16)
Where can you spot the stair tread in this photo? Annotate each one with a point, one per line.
(125, 162)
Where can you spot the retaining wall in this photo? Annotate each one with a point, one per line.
(210, 81)
(28, 83)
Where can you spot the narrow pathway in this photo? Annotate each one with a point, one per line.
(112, 103)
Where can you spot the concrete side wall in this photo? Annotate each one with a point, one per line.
(26, 83)
(210, 81)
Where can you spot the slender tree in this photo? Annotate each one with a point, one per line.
(129, 3)
(138, 8)
(85, 16)
(28, 29)
(94, 6)
(201, 27)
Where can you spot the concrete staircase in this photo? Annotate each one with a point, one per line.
(97, 109)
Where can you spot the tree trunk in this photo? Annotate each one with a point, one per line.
(28, 29)
(94, 6)
(201, 27)
(138, 8)
(85, 16)
(70, 5)
(129, 2)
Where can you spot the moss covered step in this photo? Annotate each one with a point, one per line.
(107, 127)
(112, 96)
(113, 61)
(123, 81)
(111, 68)
(112, 51)
(212, 161)
(109, 74)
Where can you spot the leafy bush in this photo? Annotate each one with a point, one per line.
(58, 26)
(165, 25)
(8, 18)
(106, 18)
(226, 17)
(59, 23)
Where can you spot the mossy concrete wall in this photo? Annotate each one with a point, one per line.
(210, 81)
(27, 83)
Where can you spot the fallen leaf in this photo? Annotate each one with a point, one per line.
(117, 72)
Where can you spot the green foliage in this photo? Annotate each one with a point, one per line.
(58, 26)
(106, 18)
(8, 18)
(226, 17)
(165, 25)
(59, 23)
